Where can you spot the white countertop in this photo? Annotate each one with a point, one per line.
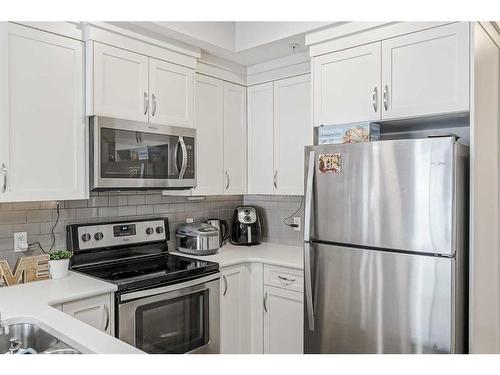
(266, 252)
(32, 303)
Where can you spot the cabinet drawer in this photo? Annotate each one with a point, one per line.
(287, 278)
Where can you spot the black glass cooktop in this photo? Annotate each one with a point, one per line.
(160, 269)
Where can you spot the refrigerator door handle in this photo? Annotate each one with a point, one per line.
(308, 286)
(308, 197)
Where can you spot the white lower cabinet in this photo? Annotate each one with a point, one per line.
(283, 320)
(261, 309)
(234, 312)
(95, 311)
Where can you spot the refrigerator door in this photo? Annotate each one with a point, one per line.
(367, 301)
(397, 194)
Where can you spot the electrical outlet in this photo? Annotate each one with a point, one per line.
(296, 221)
(189, 220)
(20, 241)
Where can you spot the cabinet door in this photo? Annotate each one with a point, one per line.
(347, 86)
(42, 123)
(283, 319)
(171, 89)
(120, 85)
(95, 311)
(292, 132)
(209, 135)
(235, 130)
(426, 73)
(260, 139)
(234, 310)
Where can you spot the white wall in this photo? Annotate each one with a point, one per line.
(484, 277)
(253, 34)
(220, 34)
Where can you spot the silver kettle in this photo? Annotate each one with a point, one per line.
(223, 228)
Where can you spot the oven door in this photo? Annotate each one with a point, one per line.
(133, 155)
(175, 319)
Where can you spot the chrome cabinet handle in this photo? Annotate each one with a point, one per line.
(275, 179)
(225, 285)
(375, 99)
(4, 173)
(146, 102)
(153, 98)
(184, 157)
(386, 97)
(228, 180)
(287, 279)
(308, 286)
(106, 311)
(265, 301)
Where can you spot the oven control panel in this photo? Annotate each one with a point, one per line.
(118, 234)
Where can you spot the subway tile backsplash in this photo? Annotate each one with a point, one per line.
(273, 209)
(38, 218)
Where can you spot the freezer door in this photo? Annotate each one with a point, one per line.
(367, 301)
(397, 194)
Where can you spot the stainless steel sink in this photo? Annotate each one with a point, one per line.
(28, 338)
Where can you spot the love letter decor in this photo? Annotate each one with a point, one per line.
(27, 269)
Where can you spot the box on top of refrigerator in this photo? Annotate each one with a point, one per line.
(346, 133)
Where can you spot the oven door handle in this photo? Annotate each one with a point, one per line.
(170, 288)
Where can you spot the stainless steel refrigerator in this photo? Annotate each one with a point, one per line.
(385, 243)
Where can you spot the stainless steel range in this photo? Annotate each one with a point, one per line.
(165, 303)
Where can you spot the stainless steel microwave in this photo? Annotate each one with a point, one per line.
(137, 155)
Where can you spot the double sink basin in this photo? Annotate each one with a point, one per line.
(28, 338)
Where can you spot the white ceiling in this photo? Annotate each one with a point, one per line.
(245, 43)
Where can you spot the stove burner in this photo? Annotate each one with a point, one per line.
(126, 274)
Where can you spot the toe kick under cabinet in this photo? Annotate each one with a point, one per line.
(261, 309)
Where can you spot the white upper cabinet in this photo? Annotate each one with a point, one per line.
(120, 83)
(260, 139)
(171, 90)
(347, 86)
(422, 73)
(279, 127)
(292, 132)
(235, 130)
(42, 123)
(131, 86)
(426, 73)
(209, 125)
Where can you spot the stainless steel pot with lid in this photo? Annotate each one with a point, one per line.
(197, 239)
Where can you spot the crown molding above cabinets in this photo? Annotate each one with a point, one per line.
(354, 34)
(131, 41)
(68, 29)
(285, 67)
(223, 69)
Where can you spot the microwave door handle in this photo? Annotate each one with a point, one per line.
(184, 157)
(176, 152)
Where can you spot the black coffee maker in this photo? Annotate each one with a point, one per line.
(246, 229)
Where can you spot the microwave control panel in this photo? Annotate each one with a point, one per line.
(189, 174)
